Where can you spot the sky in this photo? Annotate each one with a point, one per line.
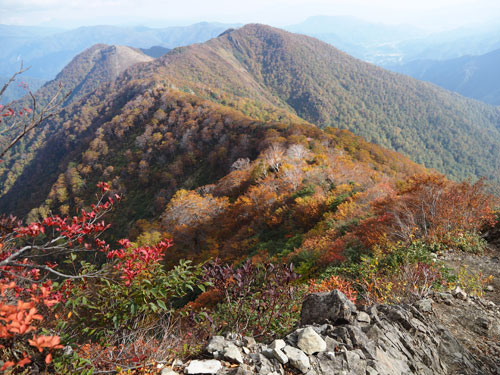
(427, 14)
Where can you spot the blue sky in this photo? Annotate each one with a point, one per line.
(431, 14)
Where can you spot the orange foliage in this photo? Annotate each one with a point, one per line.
(431, 206)
(332, 283)
(18, 318)
(208, 299)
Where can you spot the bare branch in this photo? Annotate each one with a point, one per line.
(48, 111)
(13, 78)
(7, 261)
(57, 273)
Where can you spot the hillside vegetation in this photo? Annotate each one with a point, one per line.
(322, 85)
(191, 196)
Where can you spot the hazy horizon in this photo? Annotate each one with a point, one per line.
(429, 15)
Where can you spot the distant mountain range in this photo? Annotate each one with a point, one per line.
(48, 50)
(477, 77)
(389, 45)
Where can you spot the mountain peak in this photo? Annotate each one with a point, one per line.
(96, 65)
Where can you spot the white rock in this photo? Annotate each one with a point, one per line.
(177, 363)
(310, 342)
(278, 344)
(280, 356)
(208, 366)
(233, 354)
(330, 356)
(297, 358)
(168, 371)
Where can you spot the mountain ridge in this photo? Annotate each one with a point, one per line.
(272, 77)
(350, 94)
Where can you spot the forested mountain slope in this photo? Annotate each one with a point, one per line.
(93, 67)
(261, 75)
(473, 76)
(150, 140)
(442, 130)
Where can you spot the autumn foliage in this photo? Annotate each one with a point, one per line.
(332, 283)
(261, 213)
(434, 208)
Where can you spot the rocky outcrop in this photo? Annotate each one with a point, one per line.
(338, 338)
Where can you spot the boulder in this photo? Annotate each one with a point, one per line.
(363, 317)
(327, 307)
(277, 344)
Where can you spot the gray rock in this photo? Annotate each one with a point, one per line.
(233, 354)
(297, 358)
(490, 288)
(268, 353)
(357, 336)
(177, 363)
(342, 334)
(363, 317)
(310, 342)
(244, 370)
(389, 365)
(331, 344)
(330, 355)
(266, 367)
(280, 356)
(327, 307)
(208, 366)
(249, 341)
(447, 298)
(216, 344)
(67, 350)
(254, 358)
(425, 305)
(239, 343)
(459, 293)
(355, 363)
(231, 336)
